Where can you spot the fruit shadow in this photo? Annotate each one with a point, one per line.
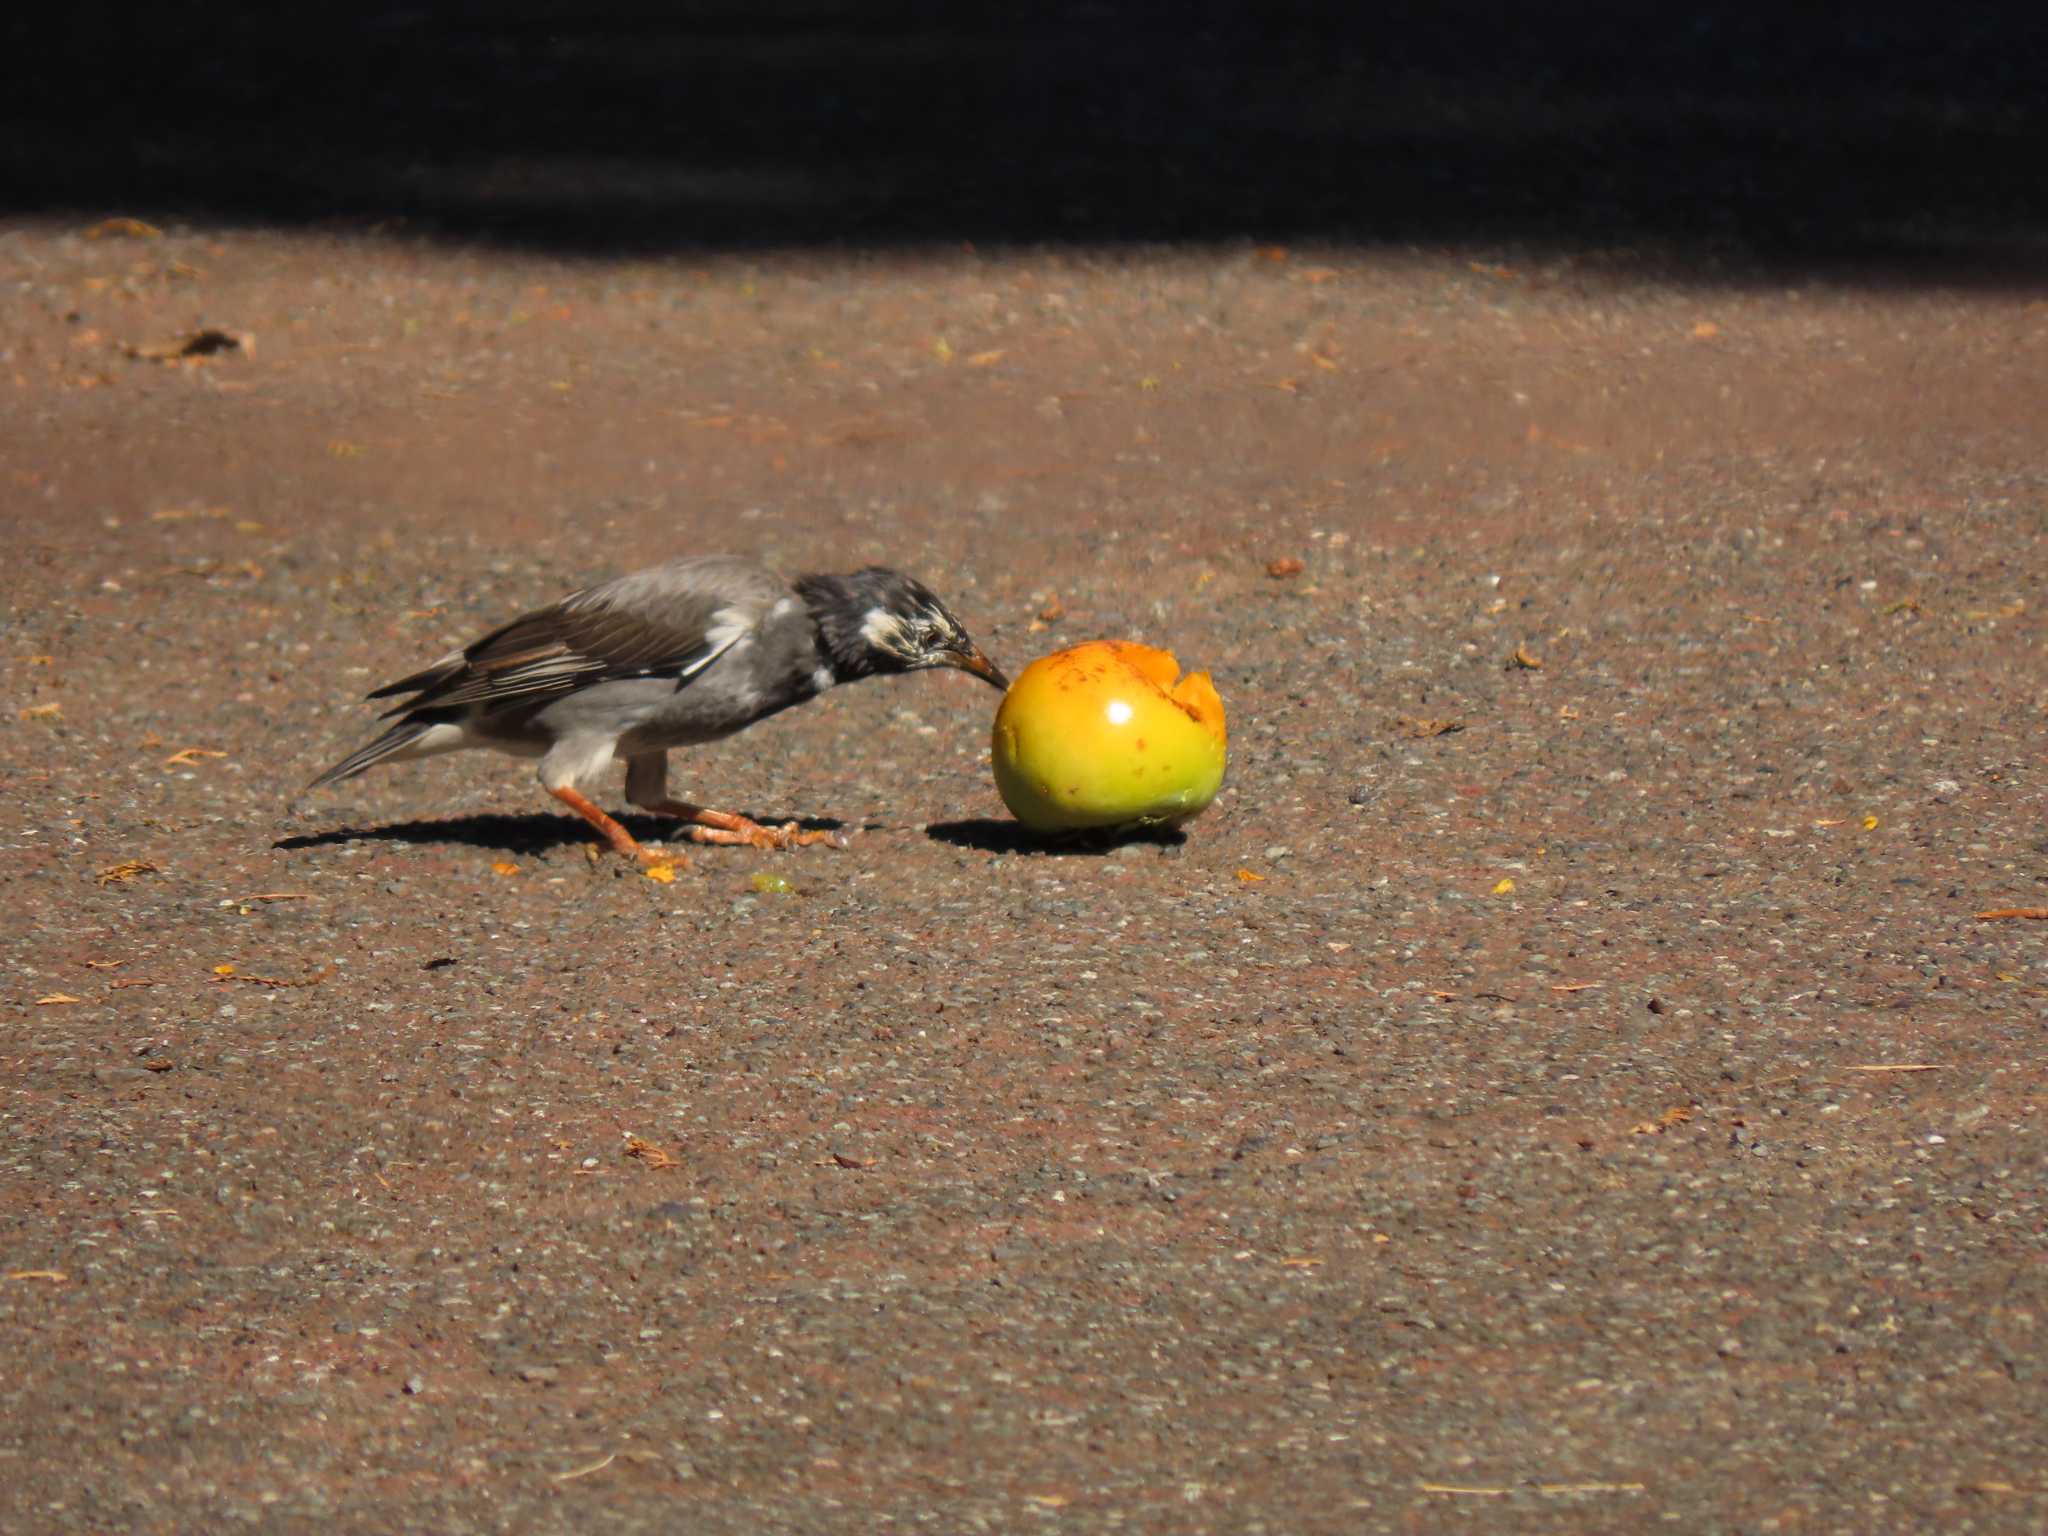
(530, 835)
(985, 835)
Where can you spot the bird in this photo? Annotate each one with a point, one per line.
(688, 651)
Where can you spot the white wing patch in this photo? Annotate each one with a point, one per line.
(728, 628)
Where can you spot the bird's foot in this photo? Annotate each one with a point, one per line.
(739, 832)
(729, 830)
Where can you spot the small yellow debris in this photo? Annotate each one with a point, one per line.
(1870, 823)
(126, 870)
(1249, 877)
(1507, 884)
(504, 867)
(223, 970)
(39, 712)
(663, 873)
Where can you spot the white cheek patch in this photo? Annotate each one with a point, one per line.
(823, 678)
(882, 629)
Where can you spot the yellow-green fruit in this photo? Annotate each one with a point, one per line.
(1102, 735)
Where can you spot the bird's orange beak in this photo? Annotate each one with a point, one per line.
(972, 660)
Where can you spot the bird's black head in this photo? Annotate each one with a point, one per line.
(878, 620)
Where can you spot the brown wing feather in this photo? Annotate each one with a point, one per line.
(583, 639)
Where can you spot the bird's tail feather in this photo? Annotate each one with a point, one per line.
(371, 753)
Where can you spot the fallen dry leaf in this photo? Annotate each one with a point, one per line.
(986, 359)
(1524, 659)
(1249, 877)
(1407, 725)
(229, 973)
(840, 1159)
(2001, 914)
(1284, 567)
(126, 870)
(504, 867)
(124, 228)
(54, 999)
(39, 712)
(1677, 1115)
(186, 757)
(1506, 884)
(650, 1154)
(1705, 330)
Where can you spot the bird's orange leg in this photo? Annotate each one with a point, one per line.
(728, 829)
(617, 836)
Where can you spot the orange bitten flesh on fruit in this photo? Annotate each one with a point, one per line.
(1108, 734)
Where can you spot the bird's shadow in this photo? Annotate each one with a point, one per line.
(531, 835)
(989, 836)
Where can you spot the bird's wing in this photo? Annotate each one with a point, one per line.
(603, 634)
